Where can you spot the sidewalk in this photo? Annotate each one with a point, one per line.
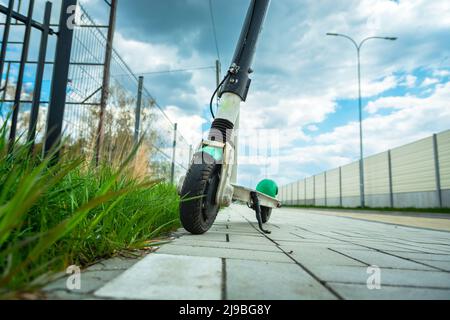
(309, 255)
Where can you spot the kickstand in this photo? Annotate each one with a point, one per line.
(257, 209)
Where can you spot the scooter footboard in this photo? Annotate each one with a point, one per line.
(244, 194)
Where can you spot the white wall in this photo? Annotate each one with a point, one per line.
(410, 179)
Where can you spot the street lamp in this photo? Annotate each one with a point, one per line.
(358, 49)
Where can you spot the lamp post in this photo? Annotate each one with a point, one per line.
(358, 49)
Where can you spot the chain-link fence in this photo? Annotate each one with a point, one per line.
(131, 112)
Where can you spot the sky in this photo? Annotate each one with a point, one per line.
(304, 91)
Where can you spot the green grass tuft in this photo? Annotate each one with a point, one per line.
(71, 213)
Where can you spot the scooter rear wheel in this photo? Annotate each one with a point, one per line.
(199, 208)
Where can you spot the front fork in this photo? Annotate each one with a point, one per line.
(222, 145)
(226, 144)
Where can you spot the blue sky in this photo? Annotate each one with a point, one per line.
(304, 86)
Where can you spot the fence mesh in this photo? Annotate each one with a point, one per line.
(84, 90)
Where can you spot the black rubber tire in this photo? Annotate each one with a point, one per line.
(198, 215)
(265, 214)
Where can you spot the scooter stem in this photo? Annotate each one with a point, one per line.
(239, 82)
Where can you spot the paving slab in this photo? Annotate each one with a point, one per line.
(89, 282)
(313, 255)
(230, 245)
(116, 263)
(206, 237)
(383, 260)
(442, 265)
(251, 280)
(254, 239)
(361, 292)
(393, 277)
(423, 256)
(227, 253)
(161, 276)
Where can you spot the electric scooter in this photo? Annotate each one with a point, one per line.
(210, 183)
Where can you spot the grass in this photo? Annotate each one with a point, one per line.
(71, 213)
(415, 210)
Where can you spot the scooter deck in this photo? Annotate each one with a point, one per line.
(244, 194)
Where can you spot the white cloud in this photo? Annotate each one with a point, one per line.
(429, 82)
(410, 81)
(441, 73)
(146, 56)
(412, 118)
(190, 126)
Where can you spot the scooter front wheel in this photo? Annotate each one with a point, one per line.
(199, 208)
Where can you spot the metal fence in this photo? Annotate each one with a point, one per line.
(131, 112)
(416, 175)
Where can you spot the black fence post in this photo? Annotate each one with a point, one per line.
(60, 77)
(106, 74)
(137, 126)
(341, 201)
(39, 76)
(23, 62)
(391, 184)
(174, 154)
(5, 88)
(437, 170)
(5, 38)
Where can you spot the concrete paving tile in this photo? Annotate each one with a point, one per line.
(66, 295)
(225, 253)
(361, 292)
(425, 241)
(443, 265)
(317, 243)
(285, 236)
(313, 255)
(225, 232)
(70, 296)
(406, 247)
(422, 256)
(310, 236)
(359, 275)
(207, 237)
(230, 245)
(432, 248)
(250, 280)
(382, 260)
(383, 246)
(116, 263)
(257, 239)
(89, 281)
(162, 277)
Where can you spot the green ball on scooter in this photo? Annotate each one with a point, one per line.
(268, 187)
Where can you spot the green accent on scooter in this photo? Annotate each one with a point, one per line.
(268, 187)
(216, 153)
